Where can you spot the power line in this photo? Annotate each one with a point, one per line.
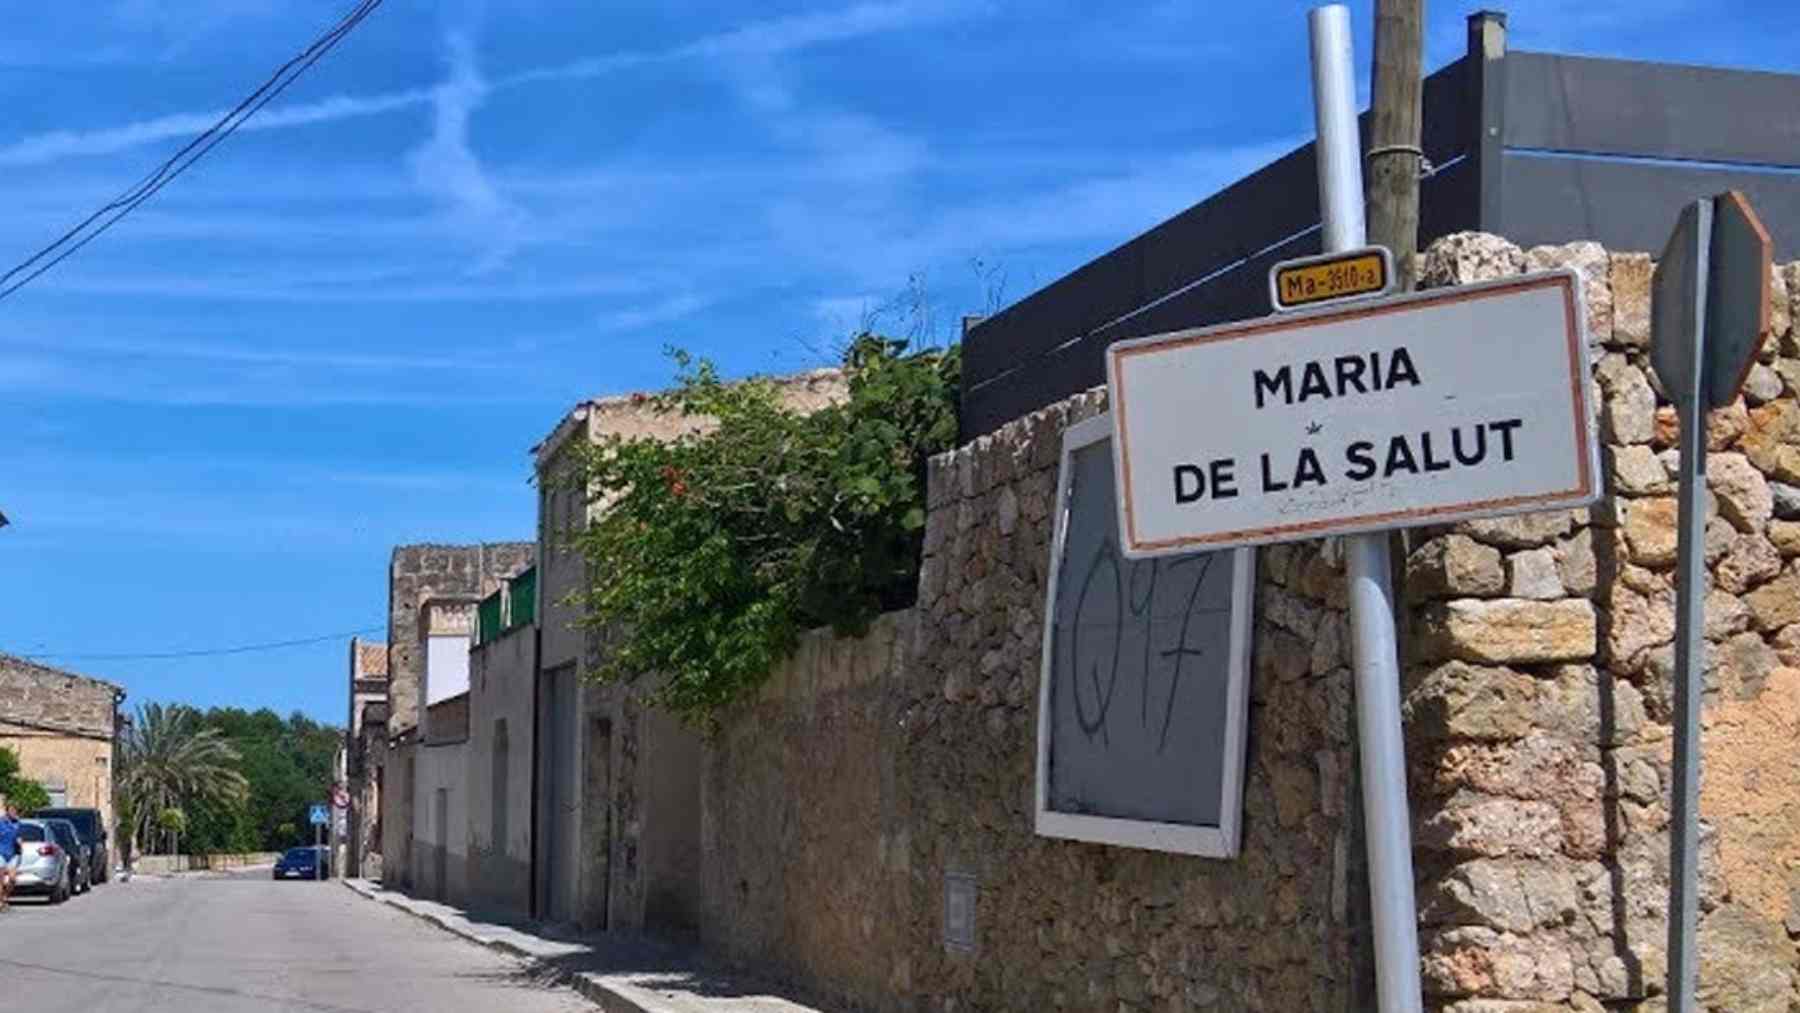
(67, 244)
(208, 652)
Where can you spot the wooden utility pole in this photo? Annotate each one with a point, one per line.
(1395, 158)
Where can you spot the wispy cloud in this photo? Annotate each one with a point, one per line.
(673, 308)
(767, 38)
(38, 149)
(447, 166)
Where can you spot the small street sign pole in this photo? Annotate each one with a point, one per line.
(1388, 826)
(1710, 316)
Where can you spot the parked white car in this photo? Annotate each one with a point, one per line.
(45, 867)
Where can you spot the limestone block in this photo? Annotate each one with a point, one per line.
(1590, 260)
(1785, 537)
(1650, 533)
(1465, 257)
(1453, 566)
(1532, 573)
(1628, 415)
(1762, 385)
(1510, 896)
(1478, 825)
(1631, 278)
(1789, 370)
(1770, 440)
(1751, 560)
(1790, 278)
(1509, 631)
(1636, 471)
(1727, 425)
(1742, 493)
(1726, 614)
(1462, 701)
(1777, 603)
(1477, 961)
(1638, 622)
(1006, 510)
(1521, 531)
(1575, 562)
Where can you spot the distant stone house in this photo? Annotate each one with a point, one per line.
(365, 749)
(417, 575)
(63, 727)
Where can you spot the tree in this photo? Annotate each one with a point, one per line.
(716, 549)
(20, 790)
(172, 822)
(167, 759)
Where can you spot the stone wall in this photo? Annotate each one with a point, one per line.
(868, 771)
(419, 572)
(1539, 695)
(1537, 704)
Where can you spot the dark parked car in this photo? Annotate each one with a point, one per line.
(303, 863)
(92, 828)
(69, 839)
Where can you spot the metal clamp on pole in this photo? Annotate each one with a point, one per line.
(1394, 912)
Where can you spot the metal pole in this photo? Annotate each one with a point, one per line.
(1387, 823)
(1690, 652)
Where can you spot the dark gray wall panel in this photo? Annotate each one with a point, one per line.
(1632, 205)
(1654, 110)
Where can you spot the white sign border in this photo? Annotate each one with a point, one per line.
(1221, 841)
(1586, 494)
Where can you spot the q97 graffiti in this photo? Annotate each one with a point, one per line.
(1140, 719)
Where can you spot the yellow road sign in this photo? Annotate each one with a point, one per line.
(1309, 281)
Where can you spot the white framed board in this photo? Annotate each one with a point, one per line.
(1145, 684)
(1414, 409)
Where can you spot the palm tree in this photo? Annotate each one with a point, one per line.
(167, 760)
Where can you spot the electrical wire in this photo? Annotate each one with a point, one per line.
(182, 160)
(208, 652)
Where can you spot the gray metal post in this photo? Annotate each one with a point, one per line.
(1388, 826)
(1690, 648)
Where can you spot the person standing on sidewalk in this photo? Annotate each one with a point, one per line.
(9, 853)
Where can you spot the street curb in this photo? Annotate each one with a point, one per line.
(607, 997)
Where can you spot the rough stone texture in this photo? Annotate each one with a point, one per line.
(1465, 257)
(1650, 531)
(1743, 494)
(1509, 631)
(1521, 531)
(1589, 260)
(1454, 566)
(1637, 472)
(420, 572)
(1631, 278)
(1532, 573)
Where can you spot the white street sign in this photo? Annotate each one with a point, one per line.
(1446, 405)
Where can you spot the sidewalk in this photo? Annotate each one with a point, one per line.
(619, 975)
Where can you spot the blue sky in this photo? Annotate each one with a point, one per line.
(344, 329)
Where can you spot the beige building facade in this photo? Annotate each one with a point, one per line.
(62, 726)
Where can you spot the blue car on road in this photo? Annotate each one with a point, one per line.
(303, 863)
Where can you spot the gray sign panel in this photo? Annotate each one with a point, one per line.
(1141, 728)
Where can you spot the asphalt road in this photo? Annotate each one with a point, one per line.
(242, 943)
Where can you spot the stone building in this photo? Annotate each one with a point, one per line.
(416, 574)
(63, 727)
(365, 750)
(616, 834)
